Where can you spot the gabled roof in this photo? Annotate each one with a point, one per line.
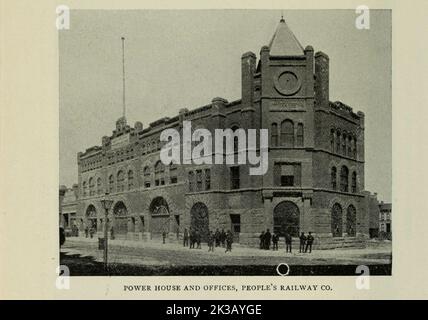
(284, 43)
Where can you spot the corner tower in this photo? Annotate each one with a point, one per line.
(287, 108)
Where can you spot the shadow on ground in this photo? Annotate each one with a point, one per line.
(87, 266)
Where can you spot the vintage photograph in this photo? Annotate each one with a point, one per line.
(225, 142)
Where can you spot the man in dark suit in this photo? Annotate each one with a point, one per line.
(302, 242)
(309, 241)
(262, 240)
(288, 242)
(217, 237)
(185, 238)
(275, 239)
(268, 238)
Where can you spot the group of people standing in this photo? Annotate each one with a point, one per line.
(215, 239)
(267, 239)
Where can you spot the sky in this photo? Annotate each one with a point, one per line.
(184, 58)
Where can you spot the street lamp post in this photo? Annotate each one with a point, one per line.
(106, 203)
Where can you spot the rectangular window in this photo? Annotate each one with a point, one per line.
(299, 140)
(287, 174)
(157, 182)
(173, 180)
(287, 181)
(191, 181)
(234, 178)
(207, 179)
(147, 184)
(199, 180)
(235, 223)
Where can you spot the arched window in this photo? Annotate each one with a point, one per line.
(111, 184)
(354, 182)
(147, 178)
(354, 141)
(332, 140)
(85, 188)
(344, 172)
(349, 142)
(337, 142)
(130, 180)
(235, 139)
(351, 221)
(287, 133)
(336, 220)
(274, 134)
(159, 173)
(120, 181)
(91, 186)
(299, 140)
(333, 178)
(99, 186)
(344, 144)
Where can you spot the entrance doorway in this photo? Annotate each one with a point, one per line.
(336, 220)
(286, 219)
(199, 220)
(120, 224)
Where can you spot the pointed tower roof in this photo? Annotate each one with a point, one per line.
(284, 43)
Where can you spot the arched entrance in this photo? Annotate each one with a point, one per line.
(160, 216)
(91, 217)
(199, 220)
(336, 220)
(120, 224)
(286, 218)
(351, 219)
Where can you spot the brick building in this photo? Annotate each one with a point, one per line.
(315, 179)
(68, 206)
(385, 218)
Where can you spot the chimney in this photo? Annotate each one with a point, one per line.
(321, 79)
(248, 67)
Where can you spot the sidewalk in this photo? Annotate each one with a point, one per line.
(240, 251)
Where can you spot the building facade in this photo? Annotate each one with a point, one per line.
(315, 177)
(68, 207)
(385, 218)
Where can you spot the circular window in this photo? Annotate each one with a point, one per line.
(287, 83)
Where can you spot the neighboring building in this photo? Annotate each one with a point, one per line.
(385, 217)
(68, 207)
(315, 180)
(373, 212)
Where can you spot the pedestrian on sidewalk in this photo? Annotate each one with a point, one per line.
(223, 238)
(112, 233)
(275, 239)
(302, 239)
(229, 241)
(288, 242)
(198, 240)
(268, 238)
(262, 240)
(217, 236)
(185, 238)
(192, 239)
(211, 241)
(309, 241)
